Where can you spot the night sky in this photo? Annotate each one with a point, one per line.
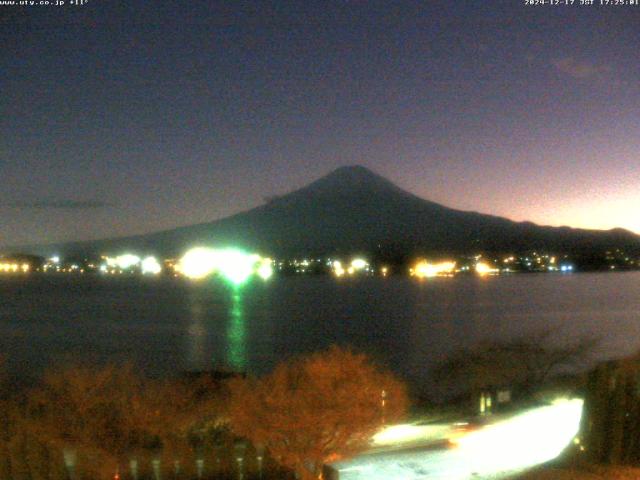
(123, 117)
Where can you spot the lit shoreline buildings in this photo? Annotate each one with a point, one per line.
(237, 266)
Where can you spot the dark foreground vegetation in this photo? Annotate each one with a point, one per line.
(526, 366)
(82, 422)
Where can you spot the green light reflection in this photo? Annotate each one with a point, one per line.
(236, 332)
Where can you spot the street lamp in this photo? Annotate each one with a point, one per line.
(133, 468)
(70, 458)
(260, 458)
(200, 467)
(218, 450)
(240, 447)
(155, 464)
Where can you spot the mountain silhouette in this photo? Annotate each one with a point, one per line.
(353, 209)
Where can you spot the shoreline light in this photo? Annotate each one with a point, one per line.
(234, 265)
(425, 269)
(150, 266)
(483, 269)
(198, 263)
(338, 269)
(359, 264)
(14, 267)
(127, 261)
(265, 269)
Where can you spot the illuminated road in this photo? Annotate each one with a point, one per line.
(495, 451)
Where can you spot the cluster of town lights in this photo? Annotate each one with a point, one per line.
(426, 269)
(234, 265)
(357, 265)
(237, 266)
(14, 267)
(148, 265)
(483, 268)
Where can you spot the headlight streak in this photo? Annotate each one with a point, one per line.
(510, 445)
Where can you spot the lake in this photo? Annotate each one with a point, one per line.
(167, 325)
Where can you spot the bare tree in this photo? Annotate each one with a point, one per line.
(316, 409)
(525, 362)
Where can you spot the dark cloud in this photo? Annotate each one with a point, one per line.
(60, 204)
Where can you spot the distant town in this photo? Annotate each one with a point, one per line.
(238, 266)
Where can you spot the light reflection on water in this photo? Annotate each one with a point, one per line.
(167, 326)
(236, 333)
(197, 337)
(216, 319)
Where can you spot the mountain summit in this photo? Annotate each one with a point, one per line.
(352, 209)
(352, 177)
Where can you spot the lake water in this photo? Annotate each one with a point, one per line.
(166, 325)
